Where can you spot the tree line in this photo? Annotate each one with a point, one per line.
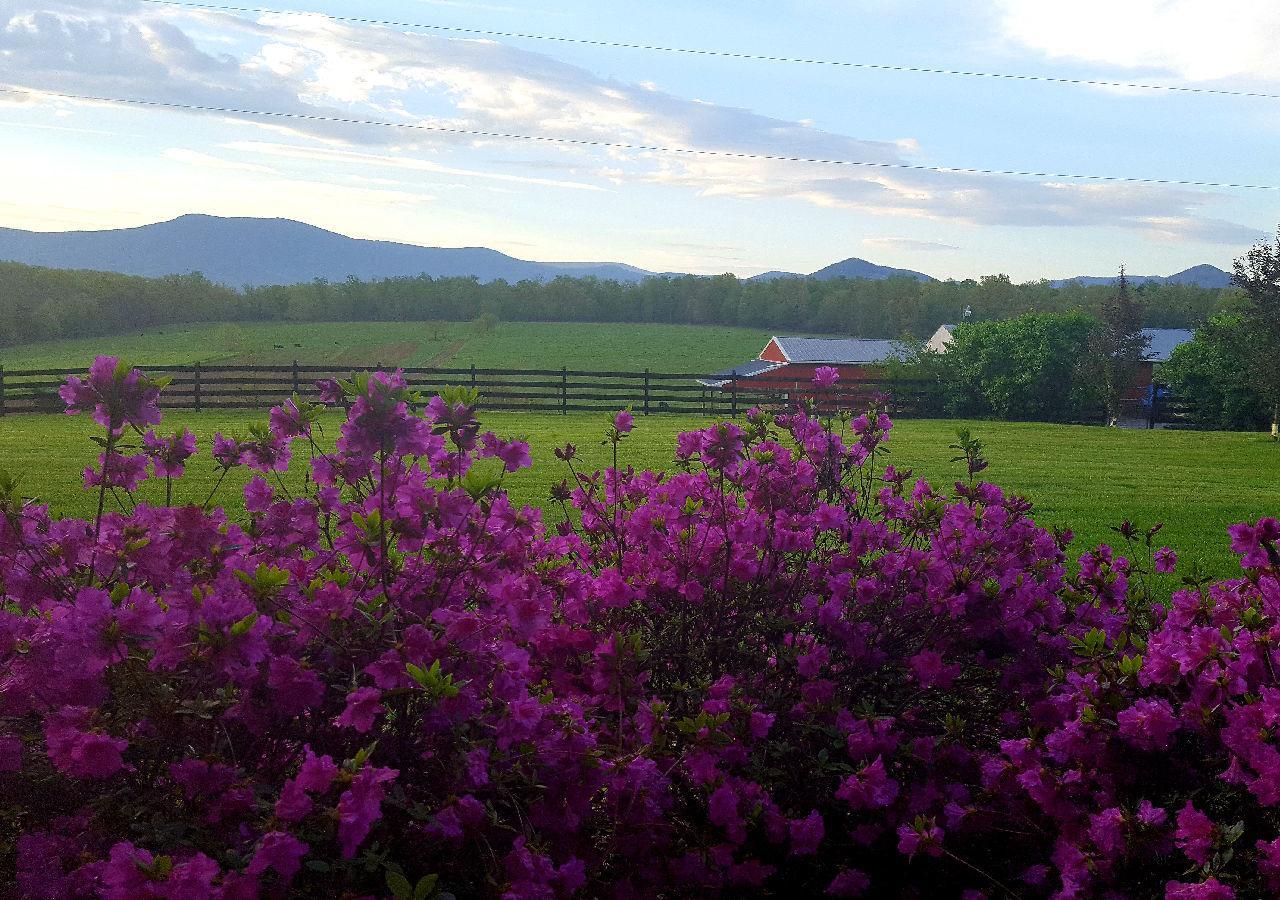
(47, 304)
(1082, 364)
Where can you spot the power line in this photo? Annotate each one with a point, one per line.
(727, 54)
(621, 145)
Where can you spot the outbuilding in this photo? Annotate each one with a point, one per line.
(788, 363)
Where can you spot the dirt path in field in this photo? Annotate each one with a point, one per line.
(393, 354)
(445, 355)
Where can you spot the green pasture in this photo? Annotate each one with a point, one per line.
(1084, 478)
(524, 345)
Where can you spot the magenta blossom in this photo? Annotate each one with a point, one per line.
(825, 376)
(1166, 560)
(169, 454)
(118, 395)
(623, 421)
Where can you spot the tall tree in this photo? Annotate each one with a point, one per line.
(1118, 345)
(1257, 274)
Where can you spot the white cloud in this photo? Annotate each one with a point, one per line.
(908, 244)
(1196, 40)
(328, 154)
(307, 65)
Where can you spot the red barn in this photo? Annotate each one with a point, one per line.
(787, 364)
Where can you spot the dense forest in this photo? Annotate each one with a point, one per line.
(45, 304)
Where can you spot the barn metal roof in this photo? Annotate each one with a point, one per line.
(838, 351)
(747, 369)
(1163, 340)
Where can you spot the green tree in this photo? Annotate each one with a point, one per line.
(1212, 375)
(1028, 367)
(1117, 346)
(1257, 274)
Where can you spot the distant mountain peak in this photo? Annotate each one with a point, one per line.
(855, 267)
(1203, 275)
(237, 251)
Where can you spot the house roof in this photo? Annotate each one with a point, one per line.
(941, 338)
(1163, 340)
(837, 351)
(748, 369)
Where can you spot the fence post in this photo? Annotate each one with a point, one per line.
(646, 392)
(564, 390)
(2, 409)
(473, 375)
(295, 376)
(195, 388)
(733, 394)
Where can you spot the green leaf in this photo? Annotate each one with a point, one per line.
(426, 887)
(242, 627)
(478, 483)
(399, 885)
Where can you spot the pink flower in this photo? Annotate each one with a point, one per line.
(360, 806)
(623, 421)
(1212, 889)
(1166, 560)
(294, 689)
(288, 422)
(258, 495)
(169, 455)
(118, 470)
(1148, 724)
(925, 836)
(825, 376)
(362, 708)
(117, 394)
(84, 754)
(869, 788)
(227, 451)
(1194, 835)
(1269, 862)
(281, 851)
(1106, 830)
(806, 834)
(930, 672)
(849, 883)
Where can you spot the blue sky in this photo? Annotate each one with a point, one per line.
(71, 164)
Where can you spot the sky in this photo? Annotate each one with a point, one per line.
(68, 164)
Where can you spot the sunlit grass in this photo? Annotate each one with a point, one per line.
(1087, 479)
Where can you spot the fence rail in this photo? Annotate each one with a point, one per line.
(200, 387)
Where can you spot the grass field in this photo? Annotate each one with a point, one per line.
(1084, 478)
(533, 345)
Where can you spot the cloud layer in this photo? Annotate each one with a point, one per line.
(308, 65)
(1196, 40)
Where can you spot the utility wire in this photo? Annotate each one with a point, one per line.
(725, 54)
(620, 145)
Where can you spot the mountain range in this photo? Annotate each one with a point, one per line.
(248, 251)
(1203, 275)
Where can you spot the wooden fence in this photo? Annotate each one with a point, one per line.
(200, 387)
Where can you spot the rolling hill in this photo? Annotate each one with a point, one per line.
(248, 251)
(1204, 275)
(245, 251)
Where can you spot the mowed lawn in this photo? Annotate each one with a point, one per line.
(1087, 479)
(527, 345)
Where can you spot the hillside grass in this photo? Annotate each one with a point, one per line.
(1087, 479)
(532, 345)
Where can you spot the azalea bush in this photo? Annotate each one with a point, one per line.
(783, 667)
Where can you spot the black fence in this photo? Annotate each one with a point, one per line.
(200, 387)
